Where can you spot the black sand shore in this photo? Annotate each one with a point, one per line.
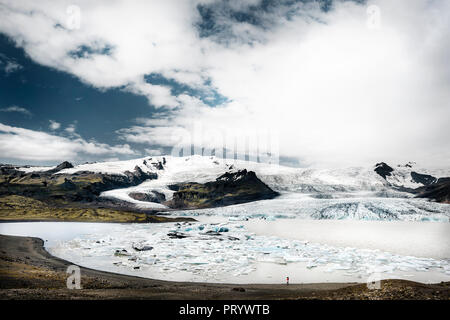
(28, 271)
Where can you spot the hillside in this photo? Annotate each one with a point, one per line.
(230, 188)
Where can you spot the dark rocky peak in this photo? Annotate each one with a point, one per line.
(229, 188)
(439, 191)
(424, 179)
(410, 164)
(64, 165)
(158, 165)
(444, 180)
(139, 175)
(138, 170)
(61, 166)
(9, 170)
(383, 169)
(241, 175)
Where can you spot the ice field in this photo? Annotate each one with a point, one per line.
(255, 250)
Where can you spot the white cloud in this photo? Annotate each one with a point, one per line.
(164, 136)
(54, 125)
(12, 66)
(336, 91)
(159, 37)
(70, 128)
(153, 152)
(9, 65)
(23, 144)
(157, 95)
(16, 109)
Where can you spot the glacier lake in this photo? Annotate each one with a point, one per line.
(266, 241)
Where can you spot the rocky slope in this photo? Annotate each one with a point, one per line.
(422, 185)
(51, 195)
(438, 191)
(230, 188)
(80, 186)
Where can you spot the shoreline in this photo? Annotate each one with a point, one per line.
(28, 271)
(152, 219)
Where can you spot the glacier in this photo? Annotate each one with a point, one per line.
(342, 193)
(303, 206)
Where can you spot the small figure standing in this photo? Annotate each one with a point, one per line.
(287, 280)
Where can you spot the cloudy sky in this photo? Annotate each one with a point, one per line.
(329, 83)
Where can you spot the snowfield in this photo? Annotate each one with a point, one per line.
(35, 169)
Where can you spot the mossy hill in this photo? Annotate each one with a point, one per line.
(228, 189)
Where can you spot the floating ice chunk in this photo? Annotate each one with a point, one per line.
(222, 229)
(121, 253)
(243, 218)
(204, 256)
(197, 261)
(291, 258)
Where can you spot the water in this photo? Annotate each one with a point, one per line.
(253, 251)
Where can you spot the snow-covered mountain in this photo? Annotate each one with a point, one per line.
(345, 192)
(201, 169)
(410, 175)
(379, 192)
(283, 179)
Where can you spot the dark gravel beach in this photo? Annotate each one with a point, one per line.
(28, 271)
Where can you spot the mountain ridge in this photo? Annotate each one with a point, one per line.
(145, 185)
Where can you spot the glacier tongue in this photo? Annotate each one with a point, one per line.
(357, 208)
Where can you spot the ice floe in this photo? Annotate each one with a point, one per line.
(213, 252)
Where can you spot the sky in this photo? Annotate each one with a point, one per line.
(316, 83)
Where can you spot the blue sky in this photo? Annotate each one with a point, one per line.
(48, 94)
(318, 82)
(51, 94)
